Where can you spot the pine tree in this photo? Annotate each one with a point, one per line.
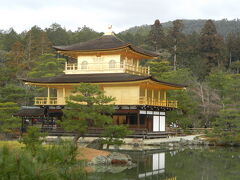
(87, 107)
(211, 45)
(47, 65)
(227, 125)
(44, 43)
(176, 38)
(33, 43)
(58, 35)
(7, 121)
(84, 34)
(13, 93)
(9, 38)
(156, 37)
(16, 59)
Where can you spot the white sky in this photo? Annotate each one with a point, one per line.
(97, 14)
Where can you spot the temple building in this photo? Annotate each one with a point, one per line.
(140, 100)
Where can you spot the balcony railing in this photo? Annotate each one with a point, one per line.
(106, 68)
(49, 101)
(128, 101)
(156, 102)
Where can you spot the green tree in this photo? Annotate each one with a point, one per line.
(211, 45)
(8, 123)
(13, 93)
(226, 126)
(9, 38)
(58, 35)
(87, 107)
(54, 162)
(187, 114)
(7, 75)
(114, 135)
(233, 49)
(44, 43)
(156, 36)
(84, 34)
(33, 139)
(235, 66)
(176, 38)
(158, 66)
(47, 65)
(31, 40)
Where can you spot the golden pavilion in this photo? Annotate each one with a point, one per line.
(140, 100)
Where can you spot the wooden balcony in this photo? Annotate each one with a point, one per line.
(54, 101)
(154, 102)
(49, 101)
(106, 68)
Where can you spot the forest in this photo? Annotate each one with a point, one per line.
(205, 60)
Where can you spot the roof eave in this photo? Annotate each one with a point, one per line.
(179, 86)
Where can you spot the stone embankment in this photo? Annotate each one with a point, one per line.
(138, 144)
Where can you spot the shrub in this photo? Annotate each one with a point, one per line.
(115, 134)
(33, 139)
(55, 162)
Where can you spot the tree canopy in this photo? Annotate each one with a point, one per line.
(87, 107)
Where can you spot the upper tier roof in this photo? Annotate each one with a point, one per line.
(98, 78)
(104, 43)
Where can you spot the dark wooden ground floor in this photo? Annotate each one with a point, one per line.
(145, 122)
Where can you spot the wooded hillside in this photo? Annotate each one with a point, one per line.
(223, 26)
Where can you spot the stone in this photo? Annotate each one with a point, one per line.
(136, 145)
(110, 161)
(98, 160)
(96, 144)
(119, 158)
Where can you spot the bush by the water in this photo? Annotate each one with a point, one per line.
(114, 134)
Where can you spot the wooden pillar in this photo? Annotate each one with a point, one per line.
(146, 94)
(125, 64)
(138, 119)
(48, 96)
(64, 96)
(152, 97)
(127, 119)
(118, 120)
(159, 98)
(165, 97)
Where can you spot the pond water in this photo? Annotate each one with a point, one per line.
(188, 164)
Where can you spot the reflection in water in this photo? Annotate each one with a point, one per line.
(158, 165)
(149, 166)
(191, 164)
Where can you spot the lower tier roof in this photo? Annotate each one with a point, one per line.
(97, 78)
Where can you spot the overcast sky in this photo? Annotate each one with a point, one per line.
(97, 14)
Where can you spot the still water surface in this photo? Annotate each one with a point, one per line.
(188, 164)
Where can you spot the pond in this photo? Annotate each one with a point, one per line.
(188, 164)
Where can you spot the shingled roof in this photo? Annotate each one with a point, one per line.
(104, 43)
(38, 112)
(98, 78)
